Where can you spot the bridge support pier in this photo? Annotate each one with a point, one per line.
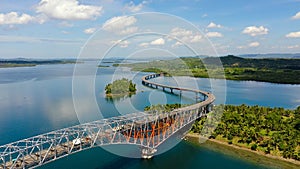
(148, 153)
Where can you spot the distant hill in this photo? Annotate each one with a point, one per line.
(276, 70)
(259, 63)
(272, 55)
(22, 62)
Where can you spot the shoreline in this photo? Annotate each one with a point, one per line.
(233, 79)
(245, 153)
(119, 95)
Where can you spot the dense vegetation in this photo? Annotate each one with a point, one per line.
(273, 131)
(235, 68)
(28, 63)
(159, 108)
(120, 87)
(103, 66)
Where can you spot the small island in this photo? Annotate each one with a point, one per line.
(119, 88)
(20, 62)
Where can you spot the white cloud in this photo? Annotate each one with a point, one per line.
(14, 18)
(296, 16)
(204, 15)
(179, 32)
(293, 35)
(122, 44)
(133, 7)
(187, 36)
(159, 41)
(293, 47)
(144, 44)
(68, 10)
(254, 44)
(196, 38)
(214, 34)
(89, 30)
(177, 44)
(41, 18)
(66, 24)
(121, 25)
(241, 47)
(213, 25)
(128, 30)
(254, 31)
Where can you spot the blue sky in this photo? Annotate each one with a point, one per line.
(60, 28)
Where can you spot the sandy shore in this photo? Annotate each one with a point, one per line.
(255, 153)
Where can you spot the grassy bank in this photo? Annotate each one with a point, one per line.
(244, 153)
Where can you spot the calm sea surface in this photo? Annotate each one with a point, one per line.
(35, 100)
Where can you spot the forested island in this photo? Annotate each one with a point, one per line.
(120, 87)
(30, 63)
(285, 71)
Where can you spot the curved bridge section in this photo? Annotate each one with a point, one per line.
(144, 129)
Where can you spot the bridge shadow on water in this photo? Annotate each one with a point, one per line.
(98, 158)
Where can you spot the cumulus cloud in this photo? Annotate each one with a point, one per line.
(144, 44)
(177, 44)
(296, 16)
(213, 25)
(293, 35)
(159, 41)
(184, 35)
(66, 24)
(133, 7)
(254, 30)
(254, 44)
(15, 18)
(196, 38)
(89, 30)
(180, 32)
(214, 34)
(68, 10)
(121, 25)
(122, 44)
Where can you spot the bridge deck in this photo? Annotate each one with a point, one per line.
(143, 129)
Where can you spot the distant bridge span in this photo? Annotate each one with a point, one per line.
(143, 129)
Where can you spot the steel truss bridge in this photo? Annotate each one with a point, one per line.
(144, 129)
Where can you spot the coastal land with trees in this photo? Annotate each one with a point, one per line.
(274, 70)
(30, 63)
(252, 132)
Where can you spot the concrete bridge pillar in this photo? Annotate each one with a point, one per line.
(148, 153)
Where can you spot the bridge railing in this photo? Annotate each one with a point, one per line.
(144, 129)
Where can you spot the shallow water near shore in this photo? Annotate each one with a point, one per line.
(35, 100)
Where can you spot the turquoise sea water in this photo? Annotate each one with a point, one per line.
(35, 100)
